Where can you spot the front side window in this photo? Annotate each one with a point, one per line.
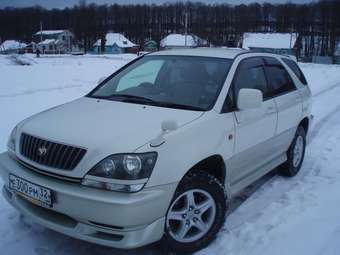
(250, 75)
(278, 77)
(186, 82)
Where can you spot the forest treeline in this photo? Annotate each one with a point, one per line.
(220, 24)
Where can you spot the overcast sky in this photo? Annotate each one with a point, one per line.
(65, 3)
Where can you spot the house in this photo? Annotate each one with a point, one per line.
(115, 43)
(280, 43)
(53, 41)
(11, 46)
(150, 46)
(175, 41)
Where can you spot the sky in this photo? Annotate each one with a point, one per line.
(68, 3)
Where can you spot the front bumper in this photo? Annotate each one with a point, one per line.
(108, 218)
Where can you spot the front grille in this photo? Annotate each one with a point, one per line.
(51, 154)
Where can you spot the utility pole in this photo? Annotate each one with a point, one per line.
(40, 31)
(186, 27)
(291, 36)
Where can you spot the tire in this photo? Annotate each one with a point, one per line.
(291, 167)
(206, 190)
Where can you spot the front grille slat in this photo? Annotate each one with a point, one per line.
(34, 153)
(61, 156)
(45, 159)
(50, 157)
(40, 144)
(30, 150)
(68, 157)
(50, 154)
(26, 141)
(75, 159)
(29, 144)
(23, 142)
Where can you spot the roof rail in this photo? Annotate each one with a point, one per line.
(243, 52)
(259, 51)
(287, 55)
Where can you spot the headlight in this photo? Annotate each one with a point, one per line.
(11, 140)
(122, 167)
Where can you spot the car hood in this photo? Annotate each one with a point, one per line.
(103, 127)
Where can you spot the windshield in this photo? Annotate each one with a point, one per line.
(186, 82)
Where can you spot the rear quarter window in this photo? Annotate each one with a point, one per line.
(296, 70)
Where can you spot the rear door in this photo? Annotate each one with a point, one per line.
(255, 128)
(288, 101)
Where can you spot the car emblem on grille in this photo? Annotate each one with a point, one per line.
(42, 151)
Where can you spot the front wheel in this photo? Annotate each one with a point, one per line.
(295, 154)
(195, 214)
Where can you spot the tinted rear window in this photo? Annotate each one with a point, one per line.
(295, 68)
(278, 77)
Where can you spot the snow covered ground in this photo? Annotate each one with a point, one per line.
(275, 216)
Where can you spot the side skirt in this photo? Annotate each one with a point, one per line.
(240, 184)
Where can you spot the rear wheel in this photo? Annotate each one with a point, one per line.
(195, 214)
(295, 154)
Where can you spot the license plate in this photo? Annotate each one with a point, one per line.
(32, 192)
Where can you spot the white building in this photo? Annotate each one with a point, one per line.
(281, 43)
(53, 41)
(173, 41)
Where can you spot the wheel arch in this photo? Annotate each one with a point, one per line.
(213, 165)
(305, 124)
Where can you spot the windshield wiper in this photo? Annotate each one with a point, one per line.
(140, 99)
(180, 106)
(130, 98)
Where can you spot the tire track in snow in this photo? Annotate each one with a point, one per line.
(322, 122)
(326, 90)
(318, 125)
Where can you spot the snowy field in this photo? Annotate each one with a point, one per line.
(275, 216)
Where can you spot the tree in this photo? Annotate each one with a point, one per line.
(221, 24)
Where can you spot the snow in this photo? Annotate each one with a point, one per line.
(54, 80)
(49, 32)
(48, 41)
(276, 215)
(12, 45)
(116, 38)
(178, 40)
(269, 40)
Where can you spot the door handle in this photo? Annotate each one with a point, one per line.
(271, 110)
(298, 100)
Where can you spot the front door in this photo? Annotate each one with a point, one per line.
(255, 128)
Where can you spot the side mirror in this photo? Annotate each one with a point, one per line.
(249, 99)
(169, 125)
(101, 79)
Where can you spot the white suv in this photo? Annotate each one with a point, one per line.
(157, 150)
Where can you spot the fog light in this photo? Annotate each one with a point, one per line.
(128, 188)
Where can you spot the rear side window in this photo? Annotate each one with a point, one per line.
(296, 69)
(278, 77)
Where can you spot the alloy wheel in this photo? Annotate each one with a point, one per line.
(191, 215)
